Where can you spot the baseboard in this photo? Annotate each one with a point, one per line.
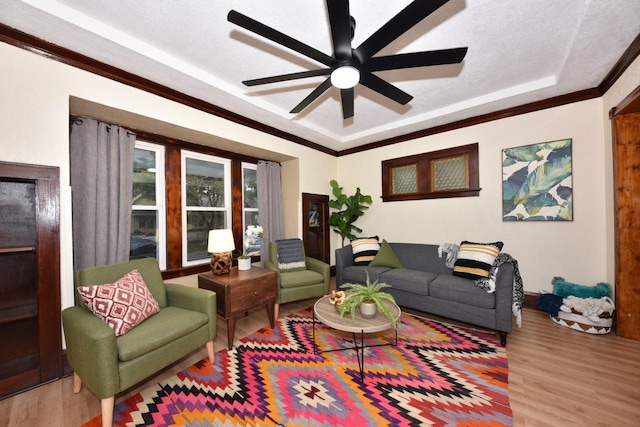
(530, 300)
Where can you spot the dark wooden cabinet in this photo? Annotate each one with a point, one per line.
(315, 226)
(31, 351)
(239, 291)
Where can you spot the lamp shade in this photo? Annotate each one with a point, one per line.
(221, 240)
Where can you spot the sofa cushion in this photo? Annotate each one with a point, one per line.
(293, 279)
(475, 259)
(413, 281)
(123, 304)
(386, 257)
(358, 274)
(453, 288)
(168, 325)
(364, 249)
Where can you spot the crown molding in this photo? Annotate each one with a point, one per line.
(49, 50)
(57, 53)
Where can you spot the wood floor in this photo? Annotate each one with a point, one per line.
(557, 377)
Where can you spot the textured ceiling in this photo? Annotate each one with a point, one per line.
(519, 52)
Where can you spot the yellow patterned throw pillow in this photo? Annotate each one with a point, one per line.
(364, 249)
(475, 259)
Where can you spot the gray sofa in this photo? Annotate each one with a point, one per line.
(426, 284)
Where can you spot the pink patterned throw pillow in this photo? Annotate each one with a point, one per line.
(123, 304)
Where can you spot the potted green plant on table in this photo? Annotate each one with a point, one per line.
(368, 297)
(244, 260)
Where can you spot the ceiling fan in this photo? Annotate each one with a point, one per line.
(347, 66)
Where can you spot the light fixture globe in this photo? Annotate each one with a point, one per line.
(345, 77)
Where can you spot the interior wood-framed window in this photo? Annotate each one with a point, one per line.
(451, 172)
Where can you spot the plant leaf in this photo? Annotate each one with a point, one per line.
(543, 178)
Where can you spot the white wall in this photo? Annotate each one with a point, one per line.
(34, 117)
(34, 121)
(575, 250)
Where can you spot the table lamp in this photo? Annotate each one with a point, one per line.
(221, 246)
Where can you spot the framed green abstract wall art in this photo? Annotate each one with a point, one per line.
(537, 182)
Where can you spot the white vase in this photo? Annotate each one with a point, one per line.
(368, 310)
(244, 263)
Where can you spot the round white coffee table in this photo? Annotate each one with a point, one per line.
(327, 314)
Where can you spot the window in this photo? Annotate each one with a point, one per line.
(206, 203)
(148, 217)
(180, 191)
(452, 172)
(250, 224)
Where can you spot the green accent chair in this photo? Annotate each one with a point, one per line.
(298, 284)
(107, 364)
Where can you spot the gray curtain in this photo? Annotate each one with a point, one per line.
(269, 204)
(102, 186)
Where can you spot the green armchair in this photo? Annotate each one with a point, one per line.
(313, 281)
(107, 364)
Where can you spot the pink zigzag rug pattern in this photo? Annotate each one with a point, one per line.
(437, 375)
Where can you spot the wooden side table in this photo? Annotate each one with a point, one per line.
(240, 291)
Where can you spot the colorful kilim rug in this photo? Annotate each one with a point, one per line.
(437, 375)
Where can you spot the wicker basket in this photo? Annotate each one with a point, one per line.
(577, 321)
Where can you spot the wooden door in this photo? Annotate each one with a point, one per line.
(31, 349)
(626, 152)
(315, 226)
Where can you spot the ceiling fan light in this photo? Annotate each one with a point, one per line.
(345, 77)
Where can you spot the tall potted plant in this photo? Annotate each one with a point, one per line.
(347, 210)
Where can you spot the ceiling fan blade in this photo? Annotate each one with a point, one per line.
(347, 103)
(340, 27)
(385, 88)
(312, 96)
(286, 77)
(278, 37)
(399, 24)
(416, 59)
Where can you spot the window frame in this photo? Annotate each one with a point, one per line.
(173, 197)
(161, 206)
(424, 178)
(187, 154)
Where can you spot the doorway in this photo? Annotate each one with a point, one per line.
(315, 226)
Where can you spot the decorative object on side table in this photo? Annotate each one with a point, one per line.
(367, 295)
(221, 245)
(253, 239)
(244, 261)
